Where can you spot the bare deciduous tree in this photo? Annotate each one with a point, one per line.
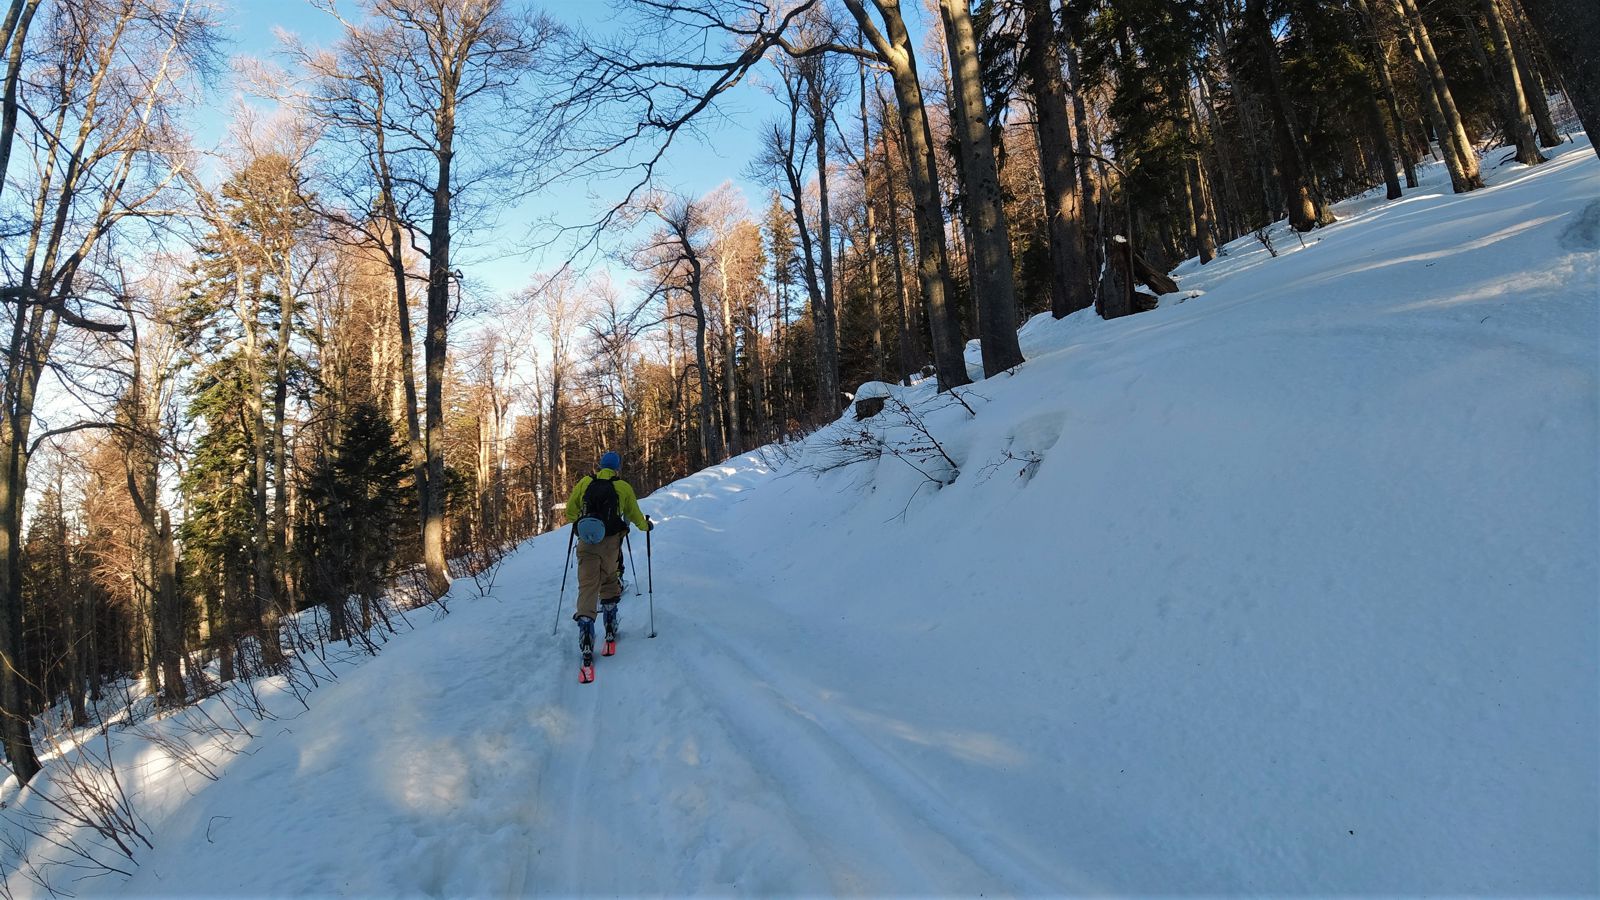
(104, 151)
(426, 75)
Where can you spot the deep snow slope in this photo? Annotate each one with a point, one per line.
(1287, 587)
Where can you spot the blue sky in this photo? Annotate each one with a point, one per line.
(697, 164)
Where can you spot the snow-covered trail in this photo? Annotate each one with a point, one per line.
(725, 755)
(719, 757)
(1297, 596)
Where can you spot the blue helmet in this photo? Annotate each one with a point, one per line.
(611, 460)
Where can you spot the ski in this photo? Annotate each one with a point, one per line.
(586, 669)
(611, 647)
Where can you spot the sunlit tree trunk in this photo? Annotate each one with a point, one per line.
(1533, 85)
(1518, 116)
(1451, 127)
(894, 45)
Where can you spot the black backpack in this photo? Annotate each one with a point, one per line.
(600, 501)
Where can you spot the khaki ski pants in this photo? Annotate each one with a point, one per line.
(597, 574)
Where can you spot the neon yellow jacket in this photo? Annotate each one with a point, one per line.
(627, 500)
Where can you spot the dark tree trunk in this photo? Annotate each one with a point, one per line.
(264, 609)
(710, 447)
(1383, 87)
(874, 283)
(280, 437)
(73, 602)
(1378, 60)
(906, 342)
(1305, 206)
(14, 717)
(1380, 139)
(825, 314)
(19, 18)
(1069, 288)
(169, 615)
(1571, 33)
(1533, 86)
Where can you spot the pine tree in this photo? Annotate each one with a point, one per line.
(218, 534)
(357, 502)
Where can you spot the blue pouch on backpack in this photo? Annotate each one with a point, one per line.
(591, 530)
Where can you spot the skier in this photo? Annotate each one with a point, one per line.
(601, 505)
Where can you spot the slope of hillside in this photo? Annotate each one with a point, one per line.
(1286, 587)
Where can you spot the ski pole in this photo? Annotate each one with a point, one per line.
(650, 572)
(627, 538)
(566, 566)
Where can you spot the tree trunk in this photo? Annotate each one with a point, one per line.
(395, 255)
(72, 602)
(874, 287)
(28, 348)
(555, 452)
(19, 18)
(1088, 186)
(905, 337)
(895, 48)
(1305, 207)
(1063, 216)
(825, 314)
(730, 381)
(1118, 298)
(1448, 150)
(280, 436)
(710, 452)
(758, 371)
(1450, 117)
(1221, 193)
(993, 273)
(169, 616)
(1380, 139)
(1378, 58)
(1571, 33)
(223, 630)
(264, 606)
(1512, 98)
(14, 713)
(815, 289)
(434, 351)
(1533, 86)
(1202, 230)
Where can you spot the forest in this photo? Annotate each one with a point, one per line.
(217, 419)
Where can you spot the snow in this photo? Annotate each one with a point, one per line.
(1289, 586)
